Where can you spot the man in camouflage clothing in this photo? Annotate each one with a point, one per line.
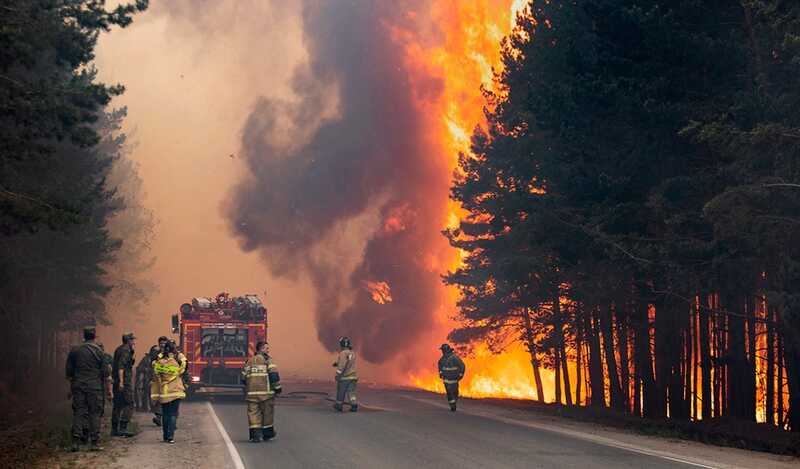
(88, 373)
(122, 372)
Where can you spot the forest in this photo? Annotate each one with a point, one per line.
(634, 207)
(69, 195)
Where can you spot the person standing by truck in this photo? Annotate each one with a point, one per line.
(346, 376)
(88, 373)
(451, 370)
(262, 383)
(168, 388)
(122, 373)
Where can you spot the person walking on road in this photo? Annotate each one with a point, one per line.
(88, 373)
(155, 350)
(451, 370)
(168, 388)
(262, 383)
(122, 373)
(346, 376)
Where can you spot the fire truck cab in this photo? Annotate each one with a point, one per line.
(217, 336)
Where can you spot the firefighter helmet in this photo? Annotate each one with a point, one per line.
(445, 348)
(345, 342)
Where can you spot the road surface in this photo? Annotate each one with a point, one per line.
(404, 429)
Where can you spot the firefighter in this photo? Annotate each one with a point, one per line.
(154, 351)
(122, 374)
(346, 376)
(262, 383)
(451, 370)
(168, 388)
(88, 373)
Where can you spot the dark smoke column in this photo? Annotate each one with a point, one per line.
(373, 151)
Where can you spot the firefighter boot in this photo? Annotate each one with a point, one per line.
(95, 446)
(255, 435)
(337, 407)
(353, 407)
(453, 407)
(268, 433)
(123, 430)
(76, 444)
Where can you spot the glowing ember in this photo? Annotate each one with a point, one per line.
(379, 291)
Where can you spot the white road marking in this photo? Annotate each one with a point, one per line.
(237, 460)
(585, 436)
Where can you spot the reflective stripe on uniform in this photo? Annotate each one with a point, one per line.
(256, 374)
(450, 368)
(259, 393)
(450, 381)
(347, 378)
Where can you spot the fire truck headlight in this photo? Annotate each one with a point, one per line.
(195, 379)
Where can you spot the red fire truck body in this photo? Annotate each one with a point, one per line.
(217, 336)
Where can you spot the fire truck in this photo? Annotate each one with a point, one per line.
(217, 335)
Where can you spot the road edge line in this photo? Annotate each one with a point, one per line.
(232, 452)
(596, 439)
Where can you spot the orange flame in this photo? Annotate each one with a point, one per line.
(379, 291)
(465, 60)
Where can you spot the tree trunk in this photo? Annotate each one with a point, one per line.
(606, 321)
(769, 397)
(624, 365)
(595, 363)
(737, 358)
(557, 375)
(705, 356)
(578, 359)
(644, 363)
(562, 350)
(780, 379)
(531, 343)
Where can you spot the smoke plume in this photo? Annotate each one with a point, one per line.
(350, 155)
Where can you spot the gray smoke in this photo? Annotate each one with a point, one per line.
(371, 150)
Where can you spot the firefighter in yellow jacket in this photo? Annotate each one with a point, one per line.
(262, 384)
(346, 376)
(167, 388)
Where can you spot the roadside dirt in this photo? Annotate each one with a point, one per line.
(198, 444)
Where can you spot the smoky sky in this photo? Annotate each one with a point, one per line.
(357, 143)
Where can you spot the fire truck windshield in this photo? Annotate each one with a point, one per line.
(219, 342)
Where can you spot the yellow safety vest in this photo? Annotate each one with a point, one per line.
(167, 383)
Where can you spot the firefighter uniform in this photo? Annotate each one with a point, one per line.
(155, 407)
(167, 389)
(87, 371)
(262, 383)
(346, 379)
(451, 370)
(123, 391)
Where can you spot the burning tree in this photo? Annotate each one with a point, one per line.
(636, 188)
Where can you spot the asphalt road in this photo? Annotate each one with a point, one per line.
(399, 429)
